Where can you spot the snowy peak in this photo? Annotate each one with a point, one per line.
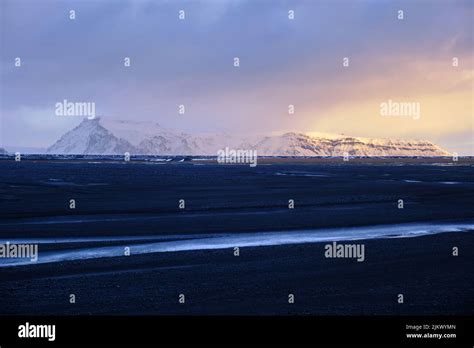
(90, 137)
(106, 137)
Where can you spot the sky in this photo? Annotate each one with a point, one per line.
(283, 61)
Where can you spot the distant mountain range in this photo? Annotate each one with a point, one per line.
(109, 137)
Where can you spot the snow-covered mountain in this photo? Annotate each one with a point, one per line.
(106, 137)
(299, 144)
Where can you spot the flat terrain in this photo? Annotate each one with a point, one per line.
(141, 199)
(255, 283)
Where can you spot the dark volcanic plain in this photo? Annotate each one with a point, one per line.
(141, 199)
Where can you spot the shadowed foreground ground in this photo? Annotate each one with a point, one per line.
(141, 199)
(257, 282)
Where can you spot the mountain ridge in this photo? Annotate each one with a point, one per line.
(112, 137)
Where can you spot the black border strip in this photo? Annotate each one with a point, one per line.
(194, 330)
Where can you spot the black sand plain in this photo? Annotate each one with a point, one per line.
(141, 199)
